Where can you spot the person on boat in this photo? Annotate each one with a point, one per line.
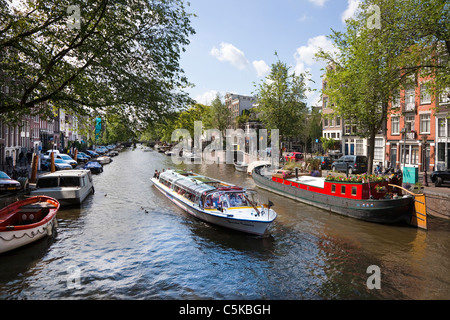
(378, 170)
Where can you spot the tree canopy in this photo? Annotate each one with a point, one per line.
(281, 100)
(382, 50)
(90, 56)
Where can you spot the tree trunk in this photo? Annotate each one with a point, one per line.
(371, 152)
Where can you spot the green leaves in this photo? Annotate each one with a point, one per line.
(281, 97)
(124, 55)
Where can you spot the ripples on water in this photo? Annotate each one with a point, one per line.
(130, 242)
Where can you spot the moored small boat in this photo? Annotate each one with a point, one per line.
(94, 166)
(215, 201)
(241, 166)
(103, 159)
(68, 187)
(26, 221)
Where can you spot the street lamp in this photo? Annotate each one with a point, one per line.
(404, 147)
(424, 155)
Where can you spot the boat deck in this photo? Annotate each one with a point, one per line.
(318, 182)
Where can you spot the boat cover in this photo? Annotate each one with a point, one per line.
(186, 183)
(194, 187)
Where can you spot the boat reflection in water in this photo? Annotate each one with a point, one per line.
(215, 201)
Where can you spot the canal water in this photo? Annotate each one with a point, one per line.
(128, 241)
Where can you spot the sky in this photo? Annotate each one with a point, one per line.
(236, 40)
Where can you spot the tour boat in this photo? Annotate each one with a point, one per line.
(215, 201)
(26, 221)
(378, 200)
(68, 186)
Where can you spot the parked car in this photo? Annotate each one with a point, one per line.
(101, 150)
(59, 165)
(293, 156)
(92, 153)
(7, 184)
(82, 158)
(325, 162)
(440, 177)
(356, 164)
(84, 154)
(67, 159)
(47, 154)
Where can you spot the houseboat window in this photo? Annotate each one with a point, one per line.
(353, 191)
(69, 181)
(333, 188)
(342, 189)
(47, 183)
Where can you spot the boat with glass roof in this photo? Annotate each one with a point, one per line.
(215, 201)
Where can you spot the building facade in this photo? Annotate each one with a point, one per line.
(236, 104)
(34, 134)
(418, 133)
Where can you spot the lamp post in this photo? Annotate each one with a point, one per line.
(404, 147)
(424, 154)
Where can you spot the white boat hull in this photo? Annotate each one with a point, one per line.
(223, 219)
(241, 167)
(10, 240)
(65, 196)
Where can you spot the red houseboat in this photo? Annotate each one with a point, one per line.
(369, 198)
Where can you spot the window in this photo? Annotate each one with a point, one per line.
(325, 122)
(441, 151)
(338, 121)
(414, 155)
(441, 127)
(342, 189)
(410, 97)
(333, 188)
(395, 102)
(409, 123)
(425, 97)
(47, 183)
(444, 97)
(347, 129)
(378, 150)
(353, 191)
(425, 123)
(325, 102)
(359, 146)
(395, 125)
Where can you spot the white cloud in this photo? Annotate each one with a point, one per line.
(352, 9)
(230, 53)
(262, 69)
(319, 3)
(303, 18)
(207, 97)
(305, 55)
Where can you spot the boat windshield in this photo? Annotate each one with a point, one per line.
(47, 183)
(226, 200)
(69, 182)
